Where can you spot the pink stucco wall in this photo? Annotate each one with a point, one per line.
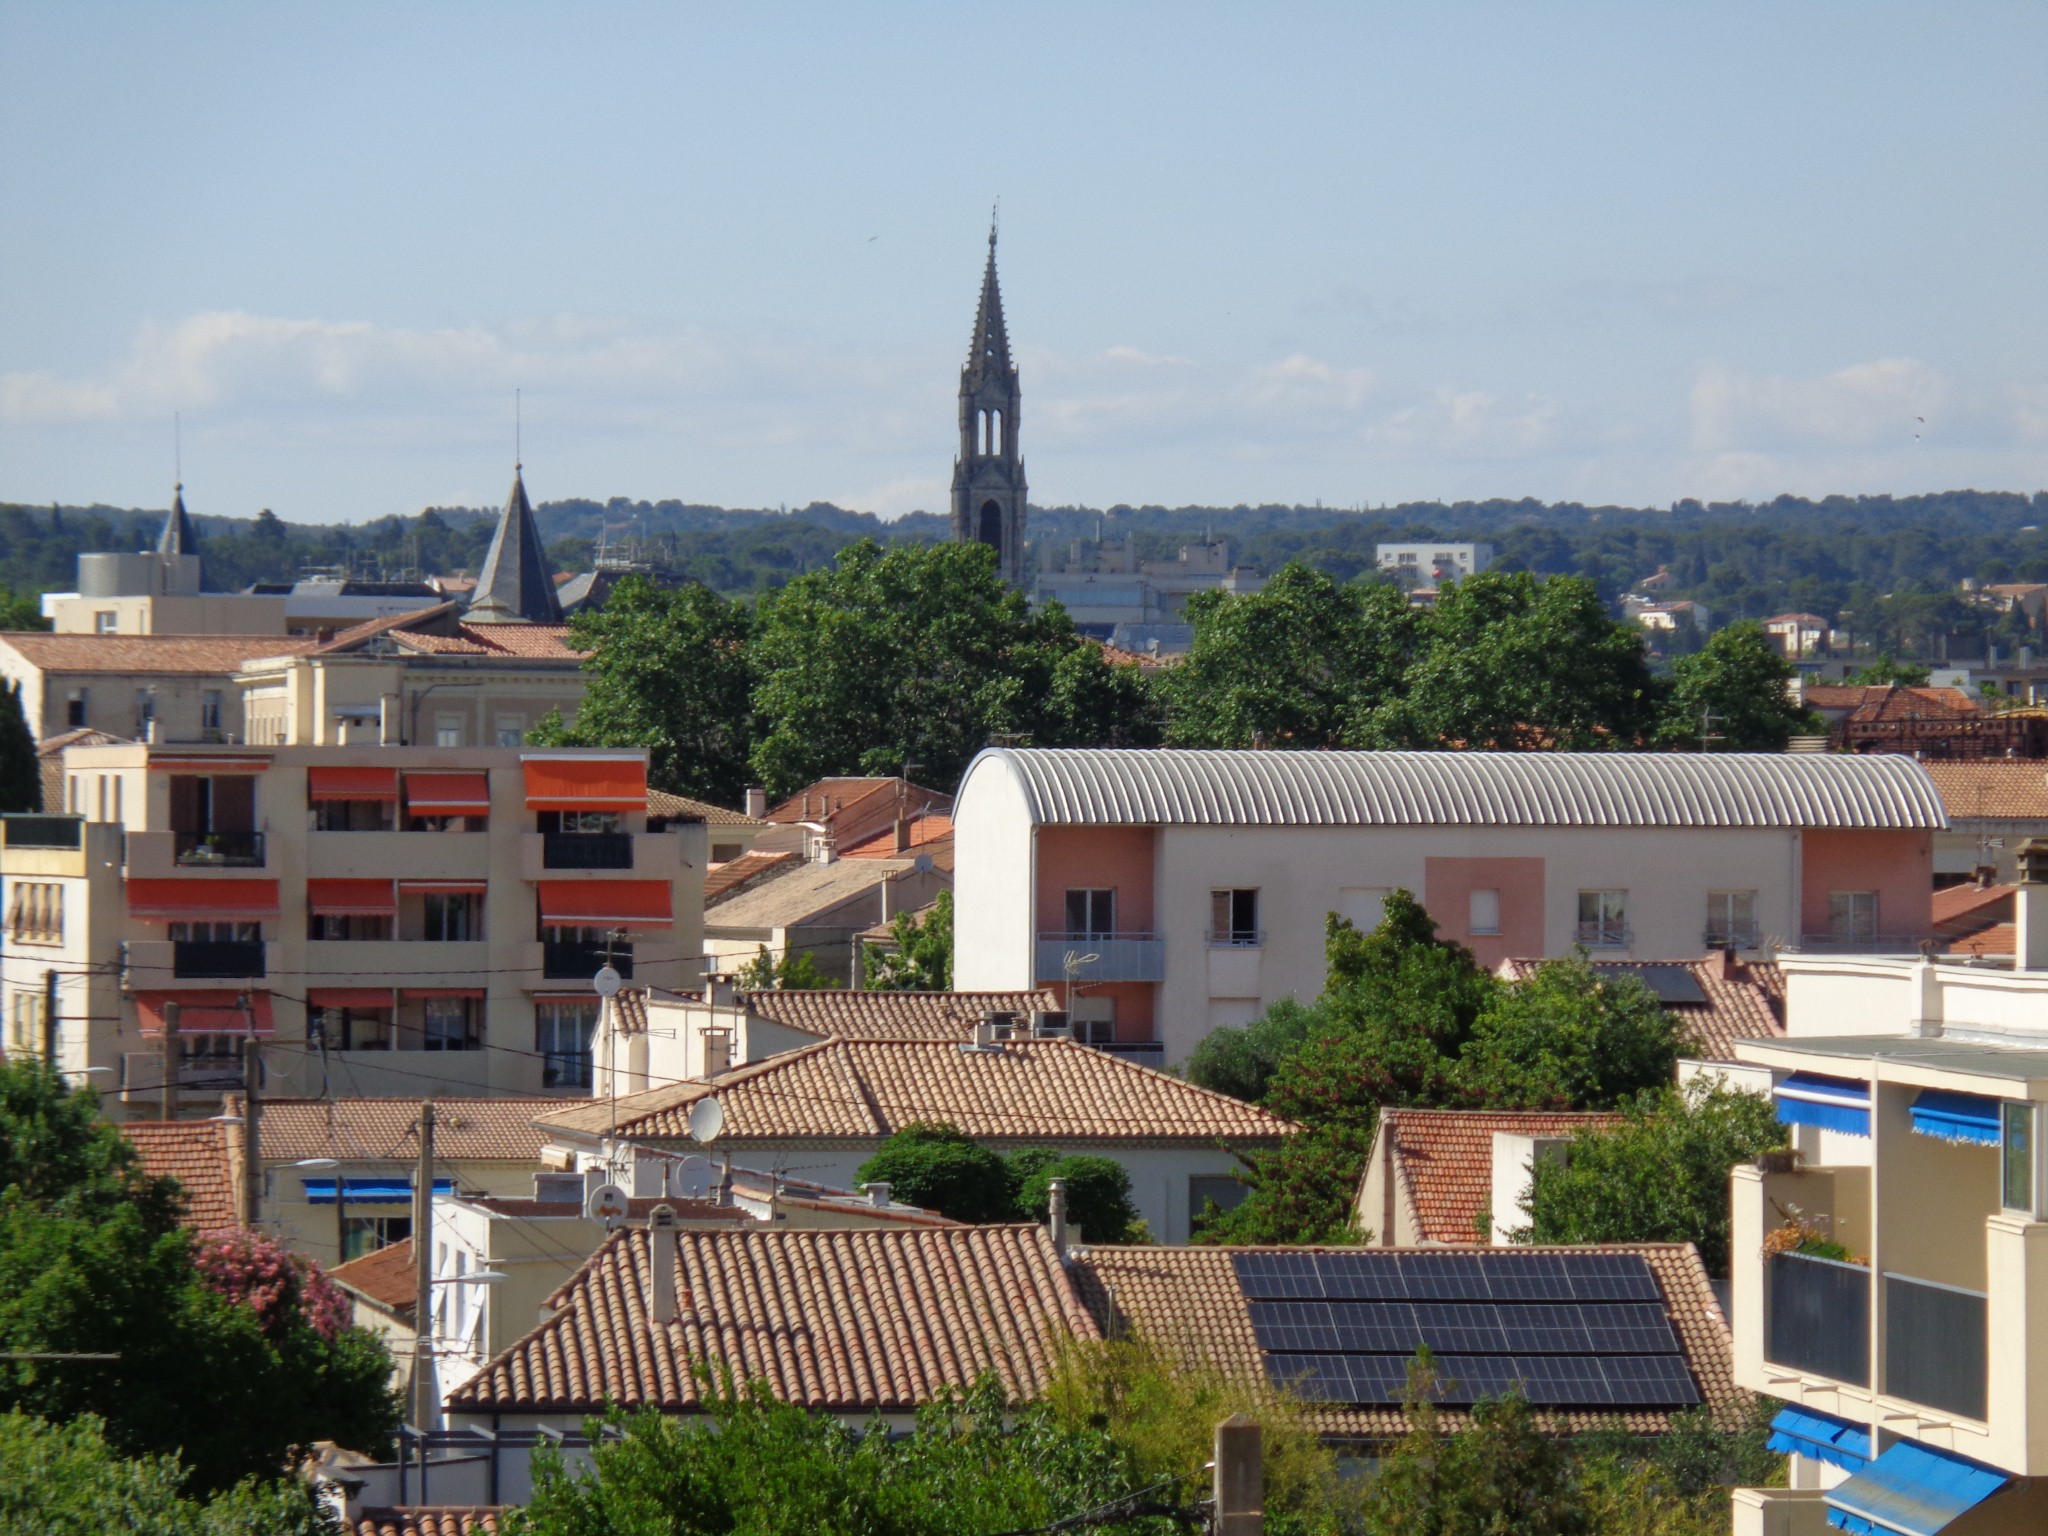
(1899, 866)
(1118, 857)
(1448, 885)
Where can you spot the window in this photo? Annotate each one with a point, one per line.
(209, 710)
(353, 815)
(563, 1031)
(1852, 916)
(217, 932)
(724, 853)
(366, 1234)
(581, 821)
(511, 730)
(448, 731)
(451, 1024)
(354, 1029)
(1603, 919)
(1234, 917)
(24, 1021)
(1093, 1020)
(1731, 919)
(333, 926)
(74, 709)
(454, 917)
(145, 712)
(36, 913)
(1091, 914)
(2016, 1157)
(1482, 913)
(105, 621)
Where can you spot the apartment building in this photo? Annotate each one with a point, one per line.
(387, 921)
(1429, 563)
(1890, 1280)
(1165, 893)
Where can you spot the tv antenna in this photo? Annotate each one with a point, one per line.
(517, 424)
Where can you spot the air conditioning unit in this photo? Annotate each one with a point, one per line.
(1002, 1026)
(558, 1188)
(1051, 1024)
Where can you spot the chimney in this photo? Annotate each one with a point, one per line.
(1727, 966)
(661, 1265)
(877, 1191)
(757, 802)
(902, 835)
(1056, 1216)
(2030, 907)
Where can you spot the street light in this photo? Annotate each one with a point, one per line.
(340, 1205)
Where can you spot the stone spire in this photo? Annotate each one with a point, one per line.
(517, 585)
(988, 474)
(179, 536)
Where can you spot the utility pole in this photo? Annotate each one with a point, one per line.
(423, 1280)
(50, 1019)
(172, 1013)
(252, 1132)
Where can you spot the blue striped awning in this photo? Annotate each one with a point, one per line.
(1968, 1117)
(369, 1191)
(1911, 1490)
(1832, 1103)
(1820, 1437)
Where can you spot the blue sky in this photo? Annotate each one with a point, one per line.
(1356, 253)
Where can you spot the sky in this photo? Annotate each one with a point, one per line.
(1357, 253)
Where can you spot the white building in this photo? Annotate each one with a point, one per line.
(1433, 562)
(1166, 893)
(1103, 585)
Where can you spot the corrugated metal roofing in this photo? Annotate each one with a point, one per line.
(1084, 787)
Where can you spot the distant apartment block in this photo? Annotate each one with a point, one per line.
(1429, 564)
(1104, 584)
(1167, 893)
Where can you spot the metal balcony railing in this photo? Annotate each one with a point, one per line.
(1934, 1345)
(1237, 938)
(579, 962)
(586, 850)
(216, 959)
(1604, 935)
(1124, 956)
(1867, 943)
(1817, 1317)
(1733, 935)
(218, 850)
(1146, 1053)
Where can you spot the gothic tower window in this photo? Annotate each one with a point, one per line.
(988, 475)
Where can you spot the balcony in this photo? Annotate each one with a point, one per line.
(586, 850)
(580, 962)
(1817, 1317)
(44, 831)
(1118, 956)
(1146, 1053)
(1604, 935)
(1934, 1345)
(216, 960)
(1733, 936)
(217, 850)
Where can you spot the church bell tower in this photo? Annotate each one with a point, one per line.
(988, 475)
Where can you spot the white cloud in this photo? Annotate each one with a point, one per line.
(1865, 405)
(1468, 423)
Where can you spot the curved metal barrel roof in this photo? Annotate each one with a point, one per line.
(1067, 786)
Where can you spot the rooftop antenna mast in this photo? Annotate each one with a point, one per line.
(178, 449)
(517, 426)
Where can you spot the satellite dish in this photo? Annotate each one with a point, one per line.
(707, 1119)
(607, 981)
(607, 1203)
(690, 1178)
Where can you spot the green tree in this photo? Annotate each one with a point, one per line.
(1509, 663)
(1098, 1192)
(939, 1168)
(58, 1155)
(1303, 1191)
(1660, 1176)
(1303, 662)
(1734, 688)
(1241, 1062)
(1885, 672)
(796, 971)
(21, 774)
(1568, 1037)
(922, 960)
(669, 671)
(21, 610)
(65, 1480)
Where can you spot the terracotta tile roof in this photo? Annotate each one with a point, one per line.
(826, 798)
(385, 1276)
(1998, 939)
(1117, 656)
(369, 629)
(1993, 791)
(890, 1015)
(1965, 908)
(84, 736)
(536, 642)
(800, 894)
(466, 1520)
(1915, 704)
(1027, 1090)
(202, 1156)
(844, 1320)
(1187, 1301)
(661, 803)
(375, 1130)
(1745, 1003)
(210, 655)
(926, 833)
(734, 873)
(1443, 1160)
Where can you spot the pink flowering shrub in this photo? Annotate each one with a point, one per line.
(274, 1283)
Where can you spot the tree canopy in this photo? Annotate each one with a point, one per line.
(922, 960)
(1735, 688)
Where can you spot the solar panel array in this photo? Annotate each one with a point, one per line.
(1573, 1330)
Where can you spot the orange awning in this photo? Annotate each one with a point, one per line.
(349, 997)
(202, 763)
(446, 887)
(207, 1012)
(352, 898)
(448, 794)
(586, 783)
(352, 783)
(475, 992)
(179, 900)
(606, 904)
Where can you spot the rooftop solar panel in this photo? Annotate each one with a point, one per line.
(1673, 985)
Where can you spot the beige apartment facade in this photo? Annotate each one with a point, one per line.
(383, 920)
